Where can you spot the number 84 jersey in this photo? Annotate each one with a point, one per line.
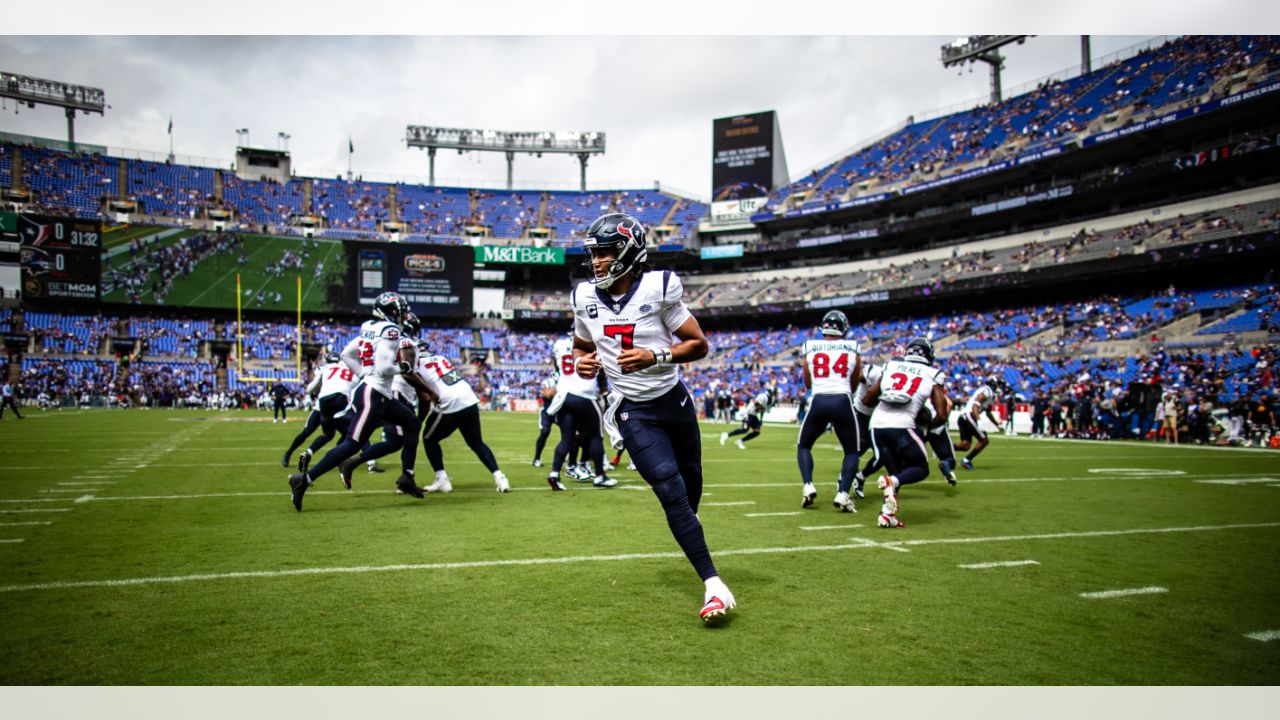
(830, 364)
(904, 389)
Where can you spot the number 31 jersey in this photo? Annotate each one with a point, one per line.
(904, 388)
(830, 363)
(646, 317)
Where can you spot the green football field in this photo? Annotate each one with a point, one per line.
(213, 282)
(160, 547)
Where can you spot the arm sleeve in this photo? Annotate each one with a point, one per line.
(351, 357)
(384, 358)
(314, 385)
(674, 312)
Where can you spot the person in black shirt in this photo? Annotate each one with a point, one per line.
(279, 394)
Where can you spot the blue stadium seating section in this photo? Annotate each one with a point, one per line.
(76, 182)
(171, 337)
(69, 334)
(263, 202)
(1052, 113)
(172, 190)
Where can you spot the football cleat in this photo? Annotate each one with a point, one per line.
(713, 610)
(631, 466)
(537, 462)
(441, 485)
(580, 473)
(724, 438)
(344, 470)
(950, 475)
(844, 503)
(604, 481)
(284, 462)
(304, 460)
(375, 468)
(500, 481)
(298, 484)
(809, 495)
(554, 483)
(889, 520)
(739, 444)
(406, 486)
(889, 486)
(966, 463)
(858, 481)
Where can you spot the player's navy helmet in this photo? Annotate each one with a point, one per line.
(411, 325)
(391, 307)
(331, 357)
(919, 350)
(835, 323)
(622, 234)
(423, 346)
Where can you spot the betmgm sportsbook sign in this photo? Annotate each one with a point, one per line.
(519, 255)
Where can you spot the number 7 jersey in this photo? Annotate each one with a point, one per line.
(904, 389)
(830, 364)
(646, 317)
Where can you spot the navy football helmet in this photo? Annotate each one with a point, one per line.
(622, 234)
(919, 350)
(411, 325)
(391, 307)
(331, 357)
(835, 323)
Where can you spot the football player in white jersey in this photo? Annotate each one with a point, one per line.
(392, 434)
(752, 423)
(545, 420)
(631, 323)
(331, 386)
(870, 376)
(578, 415)
(969, 421)
(832, 368)
(454, 407)
(376, 356)
(905, 386)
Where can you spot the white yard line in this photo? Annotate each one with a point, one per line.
(1265, 635)
(858, 544)
(17, 540)
(1107, 594)
(773, 514)
(811, 528)
(728, 504)
(1007, 563)
(96, 483)
(15, 512)
(16, 524)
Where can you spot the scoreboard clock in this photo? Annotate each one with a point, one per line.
(60, 258)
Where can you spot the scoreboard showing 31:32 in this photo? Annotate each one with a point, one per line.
(60, 258)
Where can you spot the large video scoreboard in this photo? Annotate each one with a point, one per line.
(60, 258)
(435, 279)
(747, 160)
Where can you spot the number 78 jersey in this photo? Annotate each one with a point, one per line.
(904, 389)
(830, 364)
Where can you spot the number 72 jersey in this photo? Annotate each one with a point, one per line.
(904, 389)
(830, 364)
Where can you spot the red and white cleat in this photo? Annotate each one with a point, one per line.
(713, 610)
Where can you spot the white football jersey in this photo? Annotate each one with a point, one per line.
(758, 405)
(372, 354)
(830, 364)
(646, 317)
(404, 391)
(973, 406)
(904, 388)
(335, 378)
(447, 383)
(569, 382)
(870, 376)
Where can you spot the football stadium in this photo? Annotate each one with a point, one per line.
(987, 398)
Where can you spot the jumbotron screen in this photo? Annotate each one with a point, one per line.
(742, 156)
(59, 258)
(436, 280)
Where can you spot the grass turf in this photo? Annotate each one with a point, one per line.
(165, 551)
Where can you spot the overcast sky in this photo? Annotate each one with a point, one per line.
(655, 97)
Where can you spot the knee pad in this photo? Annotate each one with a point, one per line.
(670, 491)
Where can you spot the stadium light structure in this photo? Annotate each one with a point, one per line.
(581, 144)
(981, 48)
(70, 97)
